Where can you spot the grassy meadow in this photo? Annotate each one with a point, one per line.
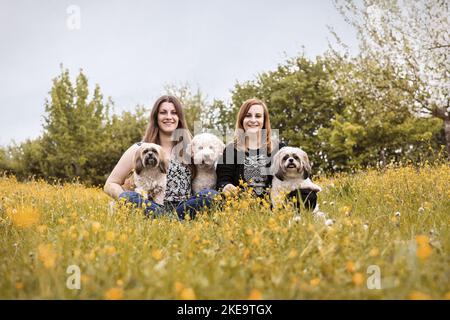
(394, 224)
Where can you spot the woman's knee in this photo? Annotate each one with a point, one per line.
(202, 199)
(139, 201)
(206, 193)
(132, 197)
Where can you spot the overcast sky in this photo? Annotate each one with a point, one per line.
(133, 48)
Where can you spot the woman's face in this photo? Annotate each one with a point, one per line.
(254, 119)
(167, 118)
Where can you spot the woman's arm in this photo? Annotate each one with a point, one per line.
(113, 185)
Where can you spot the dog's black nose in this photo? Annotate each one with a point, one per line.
(291, 160)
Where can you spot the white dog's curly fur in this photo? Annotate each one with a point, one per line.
(149, 173)
(291, 170)
(205, 150)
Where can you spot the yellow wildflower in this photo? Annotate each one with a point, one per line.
(293, 254)
(178, 286)
(255, 295)
(19, 285)
(187, 294)
(424, 251)
(46, 255)
(417, 295)
(157, 254)
(350, 266)
(114, 294)
(314, 282)
(245, 254)
(24, 217)
(110, 250)
(256, 239)
(422, 240)
(358, 278)
(374, 252)
(110, 235)
(96, 226)
(85, 278)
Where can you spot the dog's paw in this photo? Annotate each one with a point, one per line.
(308, 184)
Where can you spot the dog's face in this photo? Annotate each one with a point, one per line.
(150, 155)
(206, 149)
(291, 162)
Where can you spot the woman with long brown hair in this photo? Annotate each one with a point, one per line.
(249, 157)
(166, 127)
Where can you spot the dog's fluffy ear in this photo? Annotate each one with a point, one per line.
(138, 166)
(306, 165)
(190, 149)
(276, 168)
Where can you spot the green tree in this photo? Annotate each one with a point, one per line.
(4, 165)
(329, 108)
(375, 127)
(410, 38)
(300, 99)
(222, 117)
(74, 129)
(26, 159)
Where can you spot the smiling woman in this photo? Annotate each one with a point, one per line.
(253, 150)
(168, 129)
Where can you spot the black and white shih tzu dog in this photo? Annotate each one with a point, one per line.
(291, 170)
(149, 173)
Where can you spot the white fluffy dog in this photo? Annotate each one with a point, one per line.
(205, 150)
(149, 173)
(291, 170)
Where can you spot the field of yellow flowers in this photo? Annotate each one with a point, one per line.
(378, 235)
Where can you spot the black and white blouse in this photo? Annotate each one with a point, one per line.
(178, 187)
(256, 172)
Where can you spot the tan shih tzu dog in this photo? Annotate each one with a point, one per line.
(149, 173)
(291, 170)
(206, 149)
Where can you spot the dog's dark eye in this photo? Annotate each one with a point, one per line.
(200, 148)
(146, 150)
(295, 157)
(285, 158)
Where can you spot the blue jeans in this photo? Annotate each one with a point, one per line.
(191, 206)
(202, 199)
(138, 200)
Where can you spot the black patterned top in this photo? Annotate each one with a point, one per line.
(256, 172)
(178, 187)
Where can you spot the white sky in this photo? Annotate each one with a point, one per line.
(133, 48)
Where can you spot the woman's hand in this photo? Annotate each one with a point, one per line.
(229, 188)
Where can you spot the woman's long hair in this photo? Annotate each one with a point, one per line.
(181, 135)
(239, 135)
